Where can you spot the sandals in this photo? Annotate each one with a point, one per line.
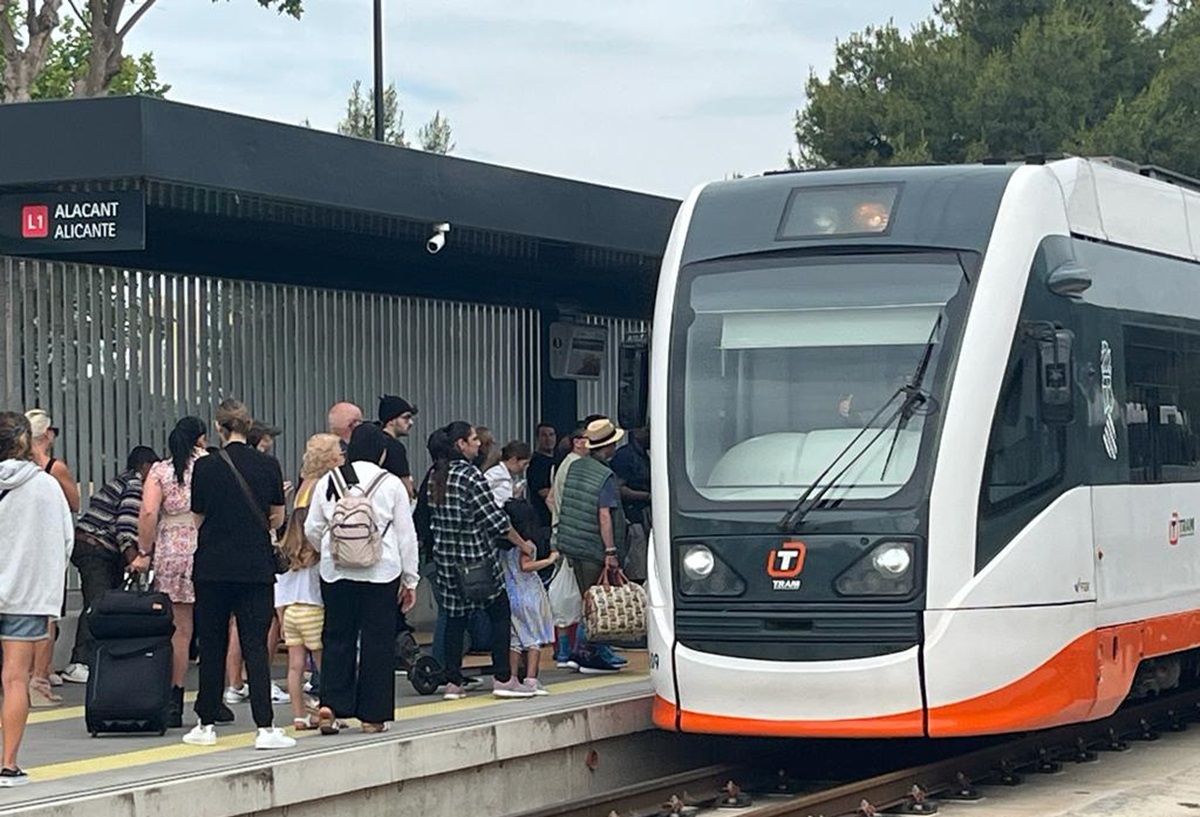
(326, 722)
(304, 724)
(375, 728)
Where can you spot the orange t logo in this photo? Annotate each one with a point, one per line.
(786, 562)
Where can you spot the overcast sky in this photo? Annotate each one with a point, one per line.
(652, 95)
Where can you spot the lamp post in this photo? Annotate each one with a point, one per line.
(378, 70)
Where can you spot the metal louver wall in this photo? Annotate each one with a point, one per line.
(117, 355)
(600, 396)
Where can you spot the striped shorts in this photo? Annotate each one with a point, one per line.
(302, 625)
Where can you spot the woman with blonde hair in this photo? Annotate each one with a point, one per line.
(43, 435)
(298, 592)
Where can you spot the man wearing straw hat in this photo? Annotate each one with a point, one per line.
(590, 523)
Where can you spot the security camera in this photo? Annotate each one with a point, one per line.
(438, 239)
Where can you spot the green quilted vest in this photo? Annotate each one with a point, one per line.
(578, 517)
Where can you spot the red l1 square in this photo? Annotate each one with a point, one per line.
(35, 221)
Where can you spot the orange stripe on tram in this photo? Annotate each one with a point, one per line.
(1086, 680)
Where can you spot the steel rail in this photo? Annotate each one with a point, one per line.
(696, 785)
(893, 792)
(1049, 747)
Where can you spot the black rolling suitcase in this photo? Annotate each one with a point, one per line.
(129, 685)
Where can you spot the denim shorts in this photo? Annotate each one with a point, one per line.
(24, 628)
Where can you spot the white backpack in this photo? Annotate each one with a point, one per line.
(355, 539)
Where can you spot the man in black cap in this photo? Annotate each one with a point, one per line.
(396, 419)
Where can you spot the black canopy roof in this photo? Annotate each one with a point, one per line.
(241, 197)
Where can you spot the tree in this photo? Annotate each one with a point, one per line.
(435, 136)
(1008, 77)
(25, 41)
(68, 61)
(25, 54)
(360, 115)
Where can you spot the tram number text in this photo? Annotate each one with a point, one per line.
(653, 660)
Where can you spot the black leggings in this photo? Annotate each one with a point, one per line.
(501, 617)
(254, 606)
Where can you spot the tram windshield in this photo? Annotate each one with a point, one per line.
(784, 364)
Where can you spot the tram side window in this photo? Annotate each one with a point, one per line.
(1024, 456)
(1162, 388)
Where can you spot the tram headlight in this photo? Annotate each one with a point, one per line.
(703, 573)
(698, 562)
(887, 570)
(893, 560)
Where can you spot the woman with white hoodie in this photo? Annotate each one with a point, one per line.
(36, 543)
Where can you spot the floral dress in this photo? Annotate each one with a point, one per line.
(175, 542)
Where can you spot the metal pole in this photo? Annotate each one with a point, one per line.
(379, 71)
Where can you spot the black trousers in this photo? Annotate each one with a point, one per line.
(254, 606)
(358, 665)
(500, 615)
(99, 570)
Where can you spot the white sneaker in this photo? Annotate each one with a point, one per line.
(55, 679)
(237, 695)
(278, 696)
(201, 735)
(273, 738)
(75, 673)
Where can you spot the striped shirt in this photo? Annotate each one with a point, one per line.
(112, 513)
(465, 528)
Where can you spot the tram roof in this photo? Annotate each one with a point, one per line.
(234, 195)
(1140, 207)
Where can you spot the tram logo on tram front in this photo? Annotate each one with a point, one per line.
(787, 561)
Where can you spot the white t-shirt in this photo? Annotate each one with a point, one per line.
(299, 587)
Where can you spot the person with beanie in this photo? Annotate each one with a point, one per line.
(396, 418)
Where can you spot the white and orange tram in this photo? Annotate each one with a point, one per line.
(926, 450)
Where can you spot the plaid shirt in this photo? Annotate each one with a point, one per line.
(465, 528)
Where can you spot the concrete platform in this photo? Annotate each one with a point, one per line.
(445, 754)
(1157, 779)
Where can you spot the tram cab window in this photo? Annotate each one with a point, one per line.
(1024, 454)
(1162, 408)
(785, 365)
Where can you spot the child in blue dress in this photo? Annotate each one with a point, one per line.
(532, 621)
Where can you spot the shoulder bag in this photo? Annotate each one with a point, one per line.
(278, 559)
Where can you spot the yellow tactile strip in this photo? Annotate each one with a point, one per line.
(244, 740)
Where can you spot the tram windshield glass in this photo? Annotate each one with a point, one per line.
(785, 363)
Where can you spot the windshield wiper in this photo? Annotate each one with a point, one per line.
(798, 511)
(914, 401)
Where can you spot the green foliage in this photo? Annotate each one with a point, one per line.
(292, 8)
(435, 135)
(360, 115)
(68, 64)
(1009, 77)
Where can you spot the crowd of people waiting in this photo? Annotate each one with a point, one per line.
(332, 578)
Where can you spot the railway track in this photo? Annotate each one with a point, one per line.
(910, 790)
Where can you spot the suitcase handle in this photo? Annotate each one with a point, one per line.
(138, 581)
